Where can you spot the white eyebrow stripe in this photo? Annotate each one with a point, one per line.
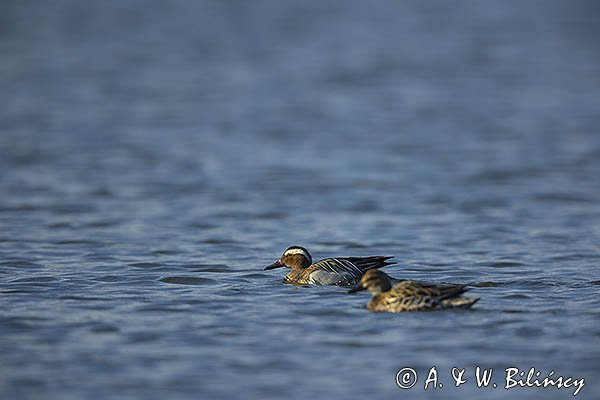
(297, 251)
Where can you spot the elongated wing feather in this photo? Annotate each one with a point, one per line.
(338, 265)
(334, 271)
(367, 263)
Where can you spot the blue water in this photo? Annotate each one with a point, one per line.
(154, 156)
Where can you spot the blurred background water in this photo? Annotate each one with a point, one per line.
(154, 156)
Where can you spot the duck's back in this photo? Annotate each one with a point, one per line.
(413, 296)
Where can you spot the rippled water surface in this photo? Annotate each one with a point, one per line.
(154, 156)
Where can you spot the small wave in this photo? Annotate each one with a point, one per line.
(145, 265)
(558, 197)
(37, 279)
(489, 284)
(505, 264)
(256, 275)
(85, 298)
(104, 328)
(109, 278)
(222, 268)
(516, 296)
(186, 280)
(21, 264)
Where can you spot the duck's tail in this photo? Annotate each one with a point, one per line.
(372, 262)
(451, 297)
(459, 302)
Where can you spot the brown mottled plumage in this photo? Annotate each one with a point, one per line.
(411, 295)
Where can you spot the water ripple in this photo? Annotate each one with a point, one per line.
(187, 280)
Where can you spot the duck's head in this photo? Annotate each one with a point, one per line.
(374, 281)
(293, 257)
